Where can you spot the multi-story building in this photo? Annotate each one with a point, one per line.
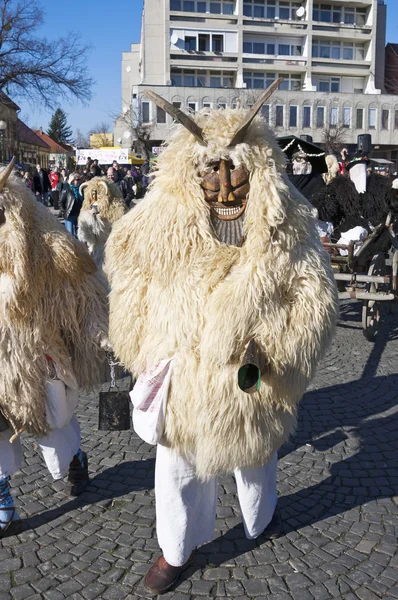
(216, 53)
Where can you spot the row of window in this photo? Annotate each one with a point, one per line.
(274, 9)
(322, 117)
(349, 15)
(271, 9)
(273, 49)
(213, 79)
(214, 42)
(205, 42)
(201, 6)
(263, 80)
(337, 50)
(253, 80)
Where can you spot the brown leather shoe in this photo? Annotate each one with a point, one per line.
(161, 576)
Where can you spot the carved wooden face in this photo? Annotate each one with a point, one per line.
(226, 189)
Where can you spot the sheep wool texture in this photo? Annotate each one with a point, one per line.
(94, 229)
(52, 302)
(176, 291)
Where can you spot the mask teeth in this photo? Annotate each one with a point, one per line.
(228, 211)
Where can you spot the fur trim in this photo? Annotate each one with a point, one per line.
(52, 302)
(177, 291)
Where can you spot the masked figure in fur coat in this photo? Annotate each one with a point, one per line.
(103, 205)
(221, 251)
(53, 325)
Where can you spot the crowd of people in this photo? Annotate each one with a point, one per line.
(60, 188)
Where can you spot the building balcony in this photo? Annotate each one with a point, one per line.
(209, 60)
(343, 33)
(291, 28)
(350, 68)
(295, 64)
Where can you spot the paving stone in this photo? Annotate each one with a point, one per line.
(336, 476)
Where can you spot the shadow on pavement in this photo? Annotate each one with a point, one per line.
(112, 483)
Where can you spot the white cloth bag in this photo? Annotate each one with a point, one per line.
(61, 401)
(149, 399)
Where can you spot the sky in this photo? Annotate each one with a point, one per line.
(109, 27)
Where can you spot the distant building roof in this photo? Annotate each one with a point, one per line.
(55, 147)
(27, 135)
(394, 47)
(4, 99)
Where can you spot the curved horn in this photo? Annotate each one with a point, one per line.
(81, 188)
(178, 115)
(103, 184)
(5, 173)
(241, 132)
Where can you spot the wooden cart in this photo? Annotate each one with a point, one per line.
(369, 275)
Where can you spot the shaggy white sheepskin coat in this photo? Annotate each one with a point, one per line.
(93, 229)
(52, 302)
(178, 291)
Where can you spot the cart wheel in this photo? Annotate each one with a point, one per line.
(371, 308)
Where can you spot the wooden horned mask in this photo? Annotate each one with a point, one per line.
(225, 186)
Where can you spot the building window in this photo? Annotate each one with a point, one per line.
(206, 105)
(160, 115)
(190, 43)
(346, 117)
(204, 42)
(265, 112)
(328, 84)
(385, 115)
(192, 106)
(279, 110)
(177, 104)
(359, 123)
(396, 119)
(372, 118)
(348, 51)
(333, 116)
(145, 112)
(188, 6)
(222, 105)
(306, 116)
(293, 116)
(217, 43)
(320, 117)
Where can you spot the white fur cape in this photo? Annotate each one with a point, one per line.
(52, 302)
(177, 291)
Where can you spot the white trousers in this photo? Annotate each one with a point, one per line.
(58, 448)
(186, 506)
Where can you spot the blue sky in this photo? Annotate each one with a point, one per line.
(110, 28)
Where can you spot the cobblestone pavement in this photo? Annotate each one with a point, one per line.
(336, 481)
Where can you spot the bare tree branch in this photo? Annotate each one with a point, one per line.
(34, 68)
(139, 138)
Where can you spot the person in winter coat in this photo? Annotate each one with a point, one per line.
(71, 202)
(113, 175)
(41, 185)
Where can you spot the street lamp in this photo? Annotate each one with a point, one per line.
(3, 127)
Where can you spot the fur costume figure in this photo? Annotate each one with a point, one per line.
(341, 204)
(103, 205)
(178, 291)
(52, 302)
